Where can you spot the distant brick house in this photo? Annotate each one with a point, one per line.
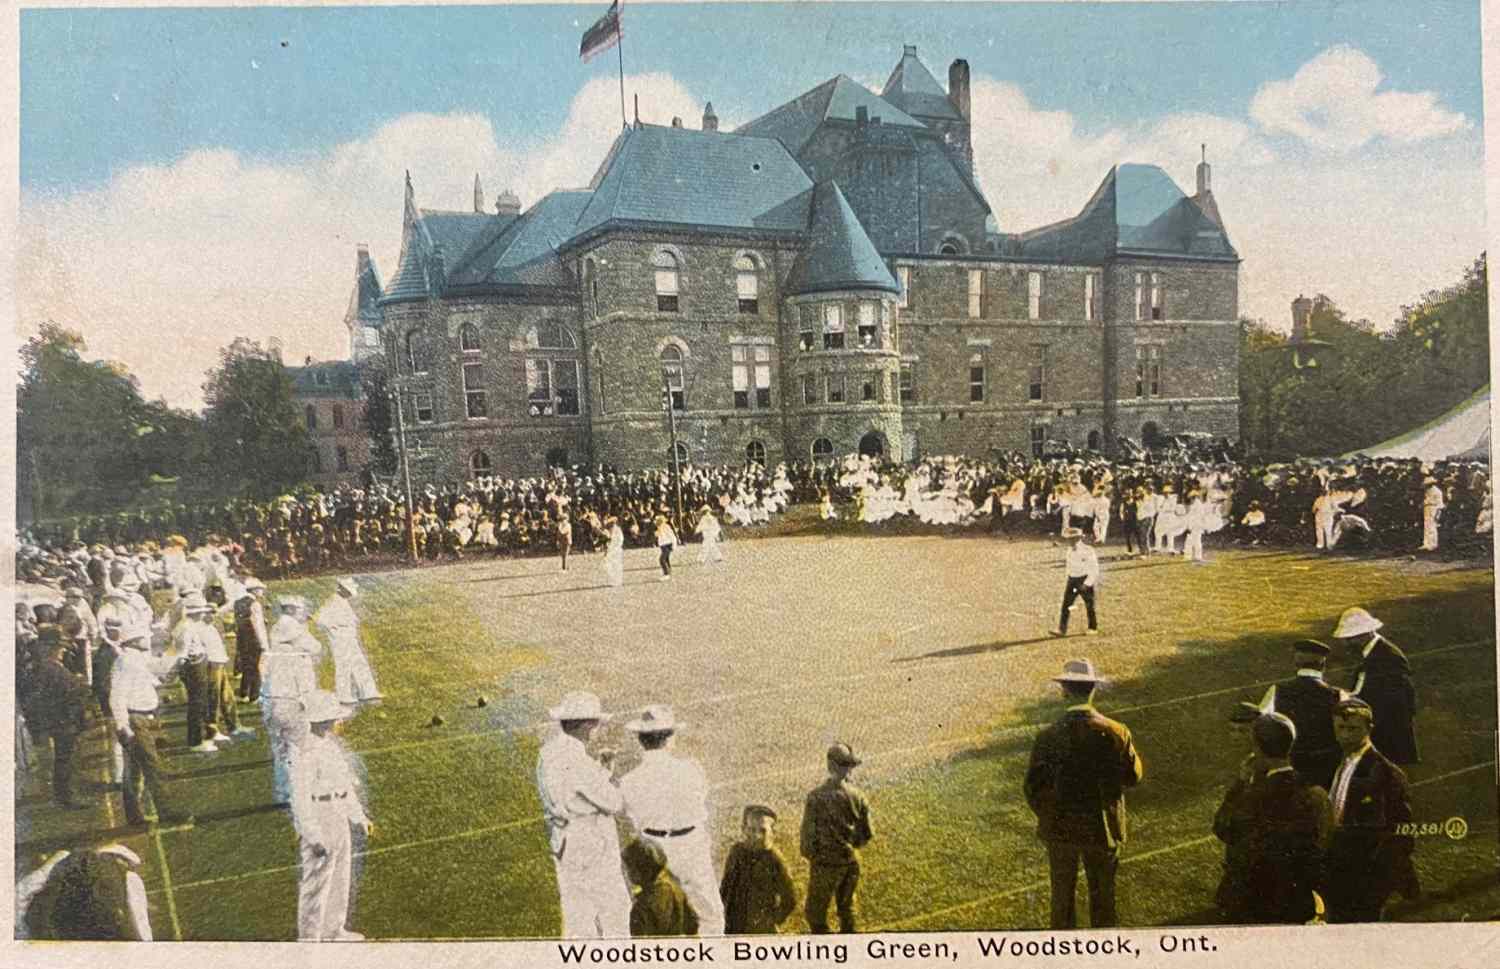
(827, 278)
(328, 395)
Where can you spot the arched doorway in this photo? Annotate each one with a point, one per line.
(1149, 434)
(1093, 440)
(872, 445)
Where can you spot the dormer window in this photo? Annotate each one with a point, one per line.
(666, 281)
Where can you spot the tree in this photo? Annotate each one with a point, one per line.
(254, 443)
(379, 419)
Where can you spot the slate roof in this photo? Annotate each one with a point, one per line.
(340, 380)
(523, 252)
(456, 232)
(681, 176)
(913, 89)
(839, 97)
(1137, 208)
(364, 299)
(839, 254)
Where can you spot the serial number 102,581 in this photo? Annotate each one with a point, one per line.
(1454, 828)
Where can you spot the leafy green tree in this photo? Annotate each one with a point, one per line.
(254, 442)
(379, 417)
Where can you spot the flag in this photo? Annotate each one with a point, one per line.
(603, 35)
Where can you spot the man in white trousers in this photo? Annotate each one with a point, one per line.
(579, 803)
(326, 809)
(666, 799)
(288, 676)
(353, 680)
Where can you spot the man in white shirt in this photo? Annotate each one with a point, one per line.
(288, 675)
(579, 803)
(132, 705)
(353, 680)
(1432, 511)
(666, 799)
(326, 808)
(1083, 576)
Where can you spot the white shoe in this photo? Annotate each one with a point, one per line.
(664, 578)
(348, 935)
(207, 747)
(1091, 632)
(1056, 632)
(244, 731)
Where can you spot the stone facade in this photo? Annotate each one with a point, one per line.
(328, 396)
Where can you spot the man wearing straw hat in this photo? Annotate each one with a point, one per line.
(579, 803)
(1383, 680)
(666, 799)
(1082, 567)
(1080, 767)
(326, 808)
(133, 703)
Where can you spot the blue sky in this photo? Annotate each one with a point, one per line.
(190, 175)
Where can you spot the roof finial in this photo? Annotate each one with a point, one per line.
(1205, 151)
(478, 194)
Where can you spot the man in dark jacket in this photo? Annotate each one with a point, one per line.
(1369, 854)
(1079, 769)
(1309, 702)
(250, 637)
(1383, 680)
(756, 889)
(1289, 822)
(835, 825)
(1232, 822)
(57, 709)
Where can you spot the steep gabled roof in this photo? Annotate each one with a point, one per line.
(839, 254)
(838, 98)
(524, 251)
(710, 179)
(913, 89)
(337, 379)
(455, 232)
(364, 298)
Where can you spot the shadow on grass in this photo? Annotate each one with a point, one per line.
(217, 771)
(975, 649)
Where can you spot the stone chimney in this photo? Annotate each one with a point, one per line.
(710, 120)
(676, 121)
(437, 270)
(861, 116)
(478, 195)
(1301, 308)
(958, 86)
(508, 203)
(361, 260)
(1204, 173)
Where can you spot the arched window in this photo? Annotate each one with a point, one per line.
(681, 452)
(468, 338)
(948, 248)
(666, 281)
(755, 453)
(552, 373)
(747, 285)
(591, 285)
(310, 417)
(338, 415)
(479, 462)
(413, 354)
(672, 372)
(822, 449)
(1093, 440)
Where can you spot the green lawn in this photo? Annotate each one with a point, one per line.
(927, 653)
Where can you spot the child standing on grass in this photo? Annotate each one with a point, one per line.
(757, 891)
(660, 907)
(666, 540)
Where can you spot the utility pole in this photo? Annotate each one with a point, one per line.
(411, 535)
(672, 430)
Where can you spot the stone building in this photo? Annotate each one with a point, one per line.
(827, 278)
(332, 405)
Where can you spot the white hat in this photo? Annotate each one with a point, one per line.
(655, 719)
(1078, 671)
(323, 707)
(123, 853)
(252, 584)
(288, 603)
(348, 585)
(194, 601)
(1355, 622)
(578, 705)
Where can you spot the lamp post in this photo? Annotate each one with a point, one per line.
(668, 402)
(411, 535)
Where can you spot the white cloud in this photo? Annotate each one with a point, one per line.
(165, 264)
(1332, 103)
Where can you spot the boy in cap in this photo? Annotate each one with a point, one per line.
(1083, 575)
(666, 798)
(835, 825)
(1075, 783)
(1309, 702)
(660, 908)
(1368, 855)
(1232, 822)
(1383, 680)
(580, 801)
(1288, 825)
(756, 889)
(326, 808)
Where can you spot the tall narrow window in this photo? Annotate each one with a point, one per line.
(1148, 371)
(747, 285)
(310, 417)
(833, 326)
(1140, 296)
(976, 384)
(869, 386)
(835, 388)
(566, 383)
(317, 461)
(1038, 439)
(908, 384)
(762, 376)
(468, 338)
(479, 462)
(976, 293)
(591, 285)
(869, 330)
(341, 457)
(1091, 296)
(1034, 295)
(755, 453)
(414, 354)
(903, 277)
(476, 403)
(552, 368)
(338, 415)
(1156, 307)
(740, 364)
(539, 401)
(421, 405)
(809, 389)
(672, 376)
(666, 281)
(807, 322)
(1037, 389)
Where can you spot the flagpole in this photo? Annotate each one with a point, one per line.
(620, 50)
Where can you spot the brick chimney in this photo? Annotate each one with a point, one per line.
(1204, 173)
(508, 203)
(710, 120)
(958, 86)
(1301, 315)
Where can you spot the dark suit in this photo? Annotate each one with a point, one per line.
(1309, 702)
(1367, 860)
(1288, 826)
(57, 710)
(1075, 783)
(1387, 687)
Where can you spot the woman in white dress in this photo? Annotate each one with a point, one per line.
(708, 530)
(614, 553)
